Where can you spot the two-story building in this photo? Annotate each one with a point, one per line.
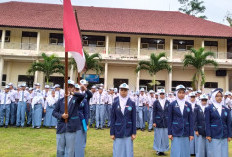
(122, 36)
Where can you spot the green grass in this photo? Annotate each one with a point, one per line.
(29, 142)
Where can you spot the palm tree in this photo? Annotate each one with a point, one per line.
(154, 65)
(50, 65)
(92, 62)
(198, 59)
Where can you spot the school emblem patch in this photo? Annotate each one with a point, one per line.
(188, 109)
(74, 101)
(225, 113)
(82, 104)
(129, 108)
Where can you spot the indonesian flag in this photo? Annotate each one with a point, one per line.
(73, 42)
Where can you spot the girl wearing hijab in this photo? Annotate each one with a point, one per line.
(37, 104)
(49, 120)
(180, 124)
(193, 102)
(160, 123)
(199, 126)
(218, 126)
(123, 124)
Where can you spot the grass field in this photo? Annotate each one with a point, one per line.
(17, 142)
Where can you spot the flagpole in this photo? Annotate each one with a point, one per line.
(78, 78)
(66, 86)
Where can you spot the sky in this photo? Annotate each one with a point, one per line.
(215, 10)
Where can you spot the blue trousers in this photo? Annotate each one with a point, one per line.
(92, 113)
(150, 118)
(141, 121)
(145, 115)
(100, 110)
(4, 113)
(21, 109)
(109, 109)
(13, 112)
(49, 120)
(37, 115)
(66, 144)
(29, 114)
(137, 117)
(105, 113)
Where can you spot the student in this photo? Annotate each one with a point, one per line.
(160, 120)
(66, 132)
(13, 105)
(81, 134)
(110, 102)
(218, 126)
(23, 96)
(92, 106)
(123, 124)
(49, 106)
(199, 126)
(37, 109)
(5, 102)
(193, 102)
(151, 100)
(180, 124)
(142, 106)
(29, 108)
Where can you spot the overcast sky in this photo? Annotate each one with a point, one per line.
(215, 9)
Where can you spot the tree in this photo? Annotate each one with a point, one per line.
(193, 7)
(50, 65)
(154, 65)
(229, 18)
(92, 63)
(198, 59)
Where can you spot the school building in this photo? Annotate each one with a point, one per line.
(122, 36)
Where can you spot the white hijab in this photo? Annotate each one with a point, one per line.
(122, 102)
(193, 104)
(202, 106)
(162, 101)
(181, 103)
(215, 103)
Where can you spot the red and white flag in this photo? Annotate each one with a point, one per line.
(73, 42)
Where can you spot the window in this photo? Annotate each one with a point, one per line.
(4, 80)
(211, 46)
(152, 43)
(146, 83)
(26, 79)
(93, 41)
(29, 40)
(211, 85)
(7, 36)
(56, 38)
(183, 45)
(185, 83)
(118, 82)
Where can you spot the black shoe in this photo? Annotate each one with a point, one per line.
(97, 128)
(162, 153)
(193, 154)
(158, 153)
(149, 130)
(6, 126)
(142, 129)
(102, 129)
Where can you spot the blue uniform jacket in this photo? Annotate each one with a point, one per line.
(73, 123)
(180, 125)
(217, 126)
(199, 120)
(123, 125)
(83, 111)
(160, 115)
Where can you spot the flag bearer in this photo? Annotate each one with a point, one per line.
(22, 104)
(151, 100)
(123, 124)
(180, 124)
(66, 132)
(199, 126)
(5, 98)
(160, 123)
(218, 126)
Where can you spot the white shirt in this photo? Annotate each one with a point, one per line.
(5, 98)
(59, 94)
(151, 101)
(46, 94)
(110, 99)
(142, 100)
(23, 95)
(92, 99)
(14, 95)
(100, 98)
(50, 101)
